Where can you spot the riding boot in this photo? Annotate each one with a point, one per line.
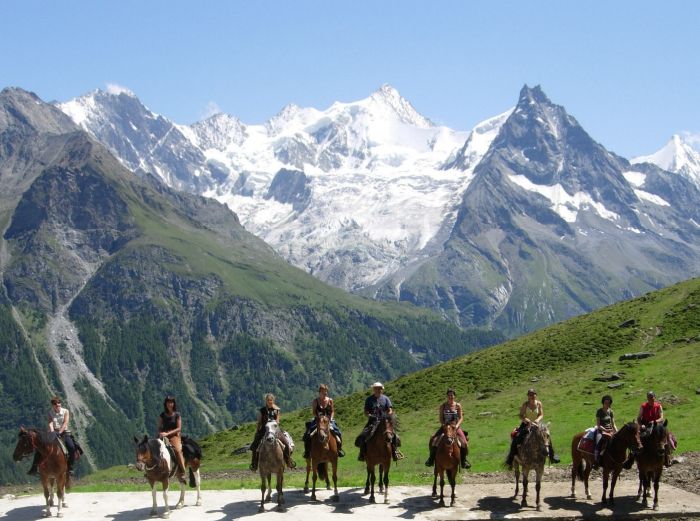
(431, 459)
(361, 456)
(307, 447)
(341, 452)
(254, 462)
(35, 464)
(553, 458)
(288, 458)
(596, 459)
(463, 458)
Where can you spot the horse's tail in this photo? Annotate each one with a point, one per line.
(579, 470)
(193, 482)
(322, 470)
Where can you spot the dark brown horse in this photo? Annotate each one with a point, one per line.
(650, 461)
(611, 460)
(153, 458)
(53, 467)
(324, 450)
(615, 455)
(447, 459)
(379, 453)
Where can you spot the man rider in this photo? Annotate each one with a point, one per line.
(377, 405)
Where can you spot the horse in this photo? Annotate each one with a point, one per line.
(531, 455)
(53, 467)
(271, 460)
(324, 450)
(650, 462)
(447, 460)
(611, 460)
(379, 453)
(153, 458)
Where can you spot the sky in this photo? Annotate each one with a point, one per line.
(628, 71)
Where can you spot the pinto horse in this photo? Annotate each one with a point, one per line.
(447, 459)
(531, 455)
(324, 450)
(271, 461)
(155, 460)
(650, 461)
(379, 453)
(611, 460)
(53, 467)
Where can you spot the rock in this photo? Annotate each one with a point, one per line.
(628, 323)
(534, 379)
(607, 378)
(486, 413)
(635, 356)
(241, 450)
(677, 459)
(616, 385)
(587, 403)
(8, 496)
(697, 391)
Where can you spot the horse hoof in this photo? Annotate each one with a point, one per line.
(335, 498)
(59, 514)
(153, 513)
(523, 504)
(313, 497)
(261, 510)
(433, 495)
(306, 490)
(365, 492)
(328, 487)
(165, 515)
(179, 506)
(372, 500)
(47, 514)
(656, 507)
(588, 496)
(198, 503)
(441, 503)
(538, 508)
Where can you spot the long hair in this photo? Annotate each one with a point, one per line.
(169, 398)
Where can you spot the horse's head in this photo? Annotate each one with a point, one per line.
(387, 423)
(144, 455)
(323, 429)
(630, 434)
(271, 429)
(25, 444)
(658, 437)
(449, 432)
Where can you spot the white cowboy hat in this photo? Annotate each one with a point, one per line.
(377, 384)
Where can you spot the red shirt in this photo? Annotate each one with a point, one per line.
(650, 412)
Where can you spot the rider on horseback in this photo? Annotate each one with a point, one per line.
(531, 412)
(377, 405)
(58, 423)
(322, 405)
(170, 428)
(450, 412)
(605, 428)
(650, 413)
(269, 412)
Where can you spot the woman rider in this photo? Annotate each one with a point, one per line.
(605, 427)
(170, 427)
(267, 413)
(322, 405)
(58, 422)
(531, 412)
(450, 412)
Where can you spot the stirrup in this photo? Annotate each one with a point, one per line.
(341, 453)
(466, 465)
(398, 455)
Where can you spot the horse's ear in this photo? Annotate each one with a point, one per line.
(145, 438)
(22, 430)
(136, 440)
(665, 422)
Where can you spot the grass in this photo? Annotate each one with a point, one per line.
(561, 361)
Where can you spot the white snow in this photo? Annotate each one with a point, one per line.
(635, 178)
(567, 206)
(676, 156)
(652, 198)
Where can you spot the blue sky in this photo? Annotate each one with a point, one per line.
(628, 71)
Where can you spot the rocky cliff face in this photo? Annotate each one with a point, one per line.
(117, 290)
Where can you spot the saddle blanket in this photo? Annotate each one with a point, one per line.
(289, 440)
(587, 443)
(164, 452)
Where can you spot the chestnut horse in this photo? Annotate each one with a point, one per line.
(324, 450)
(531, 455)
(611, 460)
(53, 467)
(379, 453)
(447, 459)
(650, 461)
(153, 457)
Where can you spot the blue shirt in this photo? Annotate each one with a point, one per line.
(377, 406)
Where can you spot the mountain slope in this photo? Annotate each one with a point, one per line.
(553, 225)
(117, 290)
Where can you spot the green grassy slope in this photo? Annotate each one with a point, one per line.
(561, 361)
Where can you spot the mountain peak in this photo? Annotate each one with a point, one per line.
(389, 97)
(530, 95)
(675, 156)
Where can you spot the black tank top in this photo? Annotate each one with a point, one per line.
(268, 414)
(323, 411)
(169, 422)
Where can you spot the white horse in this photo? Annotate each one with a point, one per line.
(271, 460)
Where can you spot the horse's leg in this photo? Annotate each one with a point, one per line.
(526, 473)
(60, 487)
(263, 489)
(516, 473)
(166, 485)
(645, 494)
(308, 471)
(198, 484)
(452, 476)
(328, 479)
(154, 510)
(538, 483)
(442, 486)
(606, 473)
(313, 482)
(367, 483)
(613, 482)
(268, 498)
(386, 482)
(435, 476)
(575, 464)
(47, 495)
(181, 501)
(334, 466)
(381, 481)
(372, 478)
(586, 475)
(280, 490)
(657, 477)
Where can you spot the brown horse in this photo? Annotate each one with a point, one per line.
(324, 450)
(611, 460)
(531, 455)
(271, 461)
(447, 459)
(159, 466)
(379, 453)
(650, 462)
(53, 467)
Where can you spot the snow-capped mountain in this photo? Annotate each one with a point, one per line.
(521, 222)
(676, 156)
(350, 193)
